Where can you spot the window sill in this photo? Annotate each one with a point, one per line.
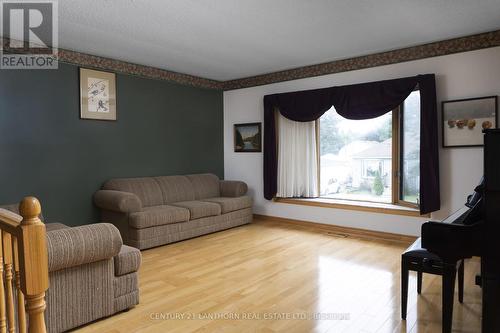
(363, 206)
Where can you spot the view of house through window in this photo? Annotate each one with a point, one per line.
(356, 156)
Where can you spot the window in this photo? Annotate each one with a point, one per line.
(373, 160)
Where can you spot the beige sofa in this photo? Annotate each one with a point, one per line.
(92, 275)
(153, 211)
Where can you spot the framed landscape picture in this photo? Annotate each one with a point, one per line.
(97, 95)
(247, 137)
(463, 120)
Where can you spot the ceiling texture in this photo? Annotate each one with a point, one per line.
(232, 39)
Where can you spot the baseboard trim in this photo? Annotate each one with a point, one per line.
(337, 230)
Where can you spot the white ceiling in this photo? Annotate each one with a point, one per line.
(229, 39)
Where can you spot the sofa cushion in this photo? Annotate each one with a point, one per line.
(231, 204)
(199, 209)
(176, 188)
(128, 260)
(169, 233)
(147, 189)
(205, 185)
(158, 215)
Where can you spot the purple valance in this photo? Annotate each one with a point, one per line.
(360, 101)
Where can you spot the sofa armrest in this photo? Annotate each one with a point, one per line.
(85, 244)
(232, 188)
(117, 201)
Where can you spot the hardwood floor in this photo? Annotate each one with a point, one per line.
(249, 279)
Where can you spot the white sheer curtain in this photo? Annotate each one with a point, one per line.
(297, 158)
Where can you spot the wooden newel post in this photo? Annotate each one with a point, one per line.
(33, 263)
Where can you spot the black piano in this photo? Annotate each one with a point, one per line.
(474, 230)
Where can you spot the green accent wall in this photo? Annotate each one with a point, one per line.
(46, 150)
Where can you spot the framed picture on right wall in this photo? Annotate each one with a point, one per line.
(463, 120)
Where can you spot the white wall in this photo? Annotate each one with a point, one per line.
(463, 75)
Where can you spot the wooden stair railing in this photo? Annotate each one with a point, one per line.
(23, 269)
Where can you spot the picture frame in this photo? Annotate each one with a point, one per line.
(97, 94)
(463, 120)
(248, 138)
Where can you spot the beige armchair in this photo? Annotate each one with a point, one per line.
(91, 274)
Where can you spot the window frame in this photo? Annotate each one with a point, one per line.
(397, 160)
(400, 201)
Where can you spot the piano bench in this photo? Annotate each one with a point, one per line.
(418, 259)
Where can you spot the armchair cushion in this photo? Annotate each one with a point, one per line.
(76, 246)
(232, 188)
(127, 261)
(118, 201)
(55, 226)
(232, 204)
(158, 215)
